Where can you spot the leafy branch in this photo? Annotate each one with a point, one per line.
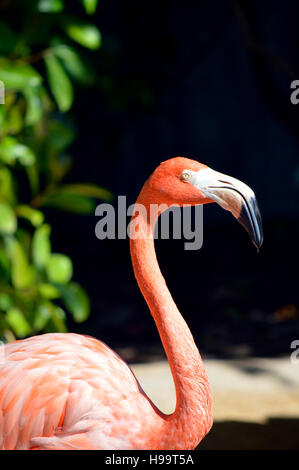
(40, 68)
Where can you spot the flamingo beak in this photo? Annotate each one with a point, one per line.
(234, 196)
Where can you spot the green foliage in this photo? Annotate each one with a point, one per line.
(60, 83)
(42, 62)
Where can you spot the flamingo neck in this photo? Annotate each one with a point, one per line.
(192, 417)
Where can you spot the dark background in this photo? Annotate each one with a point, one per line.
(209, 81)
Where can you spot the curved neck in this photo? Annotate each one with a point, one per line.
(192, 417)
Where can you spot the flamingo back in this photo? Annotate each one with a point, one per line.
(68, 391)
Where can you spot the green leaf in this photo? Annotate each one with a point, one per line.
(41, 246)
(76, 300)
(60, 84)
(58, 318)
(17, 75)
(12, 150)
(78, 198)
(90, 6)
(34, 105)
(24, 237)
(73, 63)
(59, 268)
(42, 315)
(84, 33)
(8, 220)
(6, 301)
(7, 190)
(48, 291)
(71, 202)
(7, 150)
(17, 320)
(10, 99)
(25, 155)
(33, 178)
(22, 273)
(15, 121)
(50, 6)
(4, 264)
(87, 189)
(2, 120)
(34, 216)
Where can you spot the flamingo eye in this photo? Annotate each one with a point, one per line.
(186, 175)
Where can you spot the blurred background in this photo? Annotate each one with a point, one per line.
(96, 96)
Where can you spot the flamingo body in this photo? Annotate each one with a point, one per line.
(67, 391)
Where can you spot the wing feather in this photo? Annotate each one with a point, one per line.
(66, 391)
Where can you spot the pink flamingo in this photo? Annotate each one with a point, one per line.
(67, 391)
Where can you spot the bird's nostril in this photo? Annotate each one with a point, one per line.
(226, 182)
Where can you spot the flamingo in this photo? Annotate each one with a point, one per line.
(70, 391)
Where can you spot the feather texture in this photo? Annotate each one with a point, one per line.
(67, 391)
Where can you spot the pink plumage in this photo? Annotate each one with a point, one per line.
(67, 391)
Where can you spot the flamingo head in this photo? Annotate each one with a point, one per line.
(183, 181)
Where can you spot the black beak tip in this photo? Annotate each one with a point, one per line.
(250, 218)
(258, 243)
